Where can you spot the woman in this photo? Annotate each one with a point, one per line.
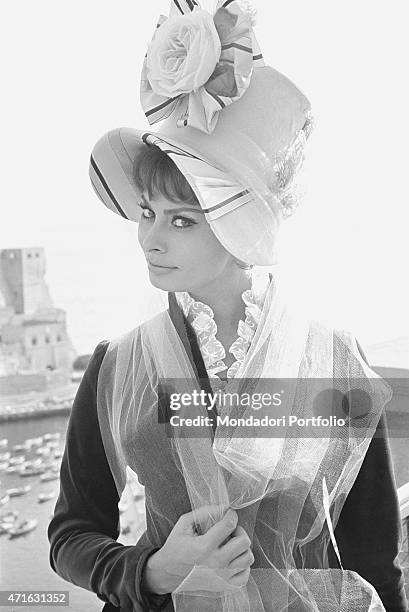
(235, 520)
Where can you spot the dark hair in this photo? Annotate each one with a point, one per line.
(154, 171)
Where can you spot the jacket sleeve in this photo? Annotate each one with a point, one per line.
(369, 529)
(85, 525)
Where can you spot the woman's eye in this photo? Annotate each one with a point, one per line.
(178, 222)
(146, 213)
(183, 222)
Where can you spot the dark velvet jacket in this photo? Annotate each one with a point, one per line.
(85, 525)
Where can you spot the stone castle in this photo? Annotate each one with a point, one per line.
(35, 350)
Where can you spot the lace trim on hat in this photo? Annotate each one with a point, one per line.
(201, 317)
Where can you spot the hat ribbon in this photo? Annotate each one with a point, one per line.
(186, 47)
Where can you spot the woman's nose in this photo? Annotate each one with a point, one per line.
(153, 238)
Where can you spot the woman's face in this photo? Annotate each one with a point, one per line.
(177, 237)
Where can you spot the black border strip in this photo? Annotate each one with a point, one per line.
(178, 5)
(235, 197)
(169, 151)
(160, 106)
(218, 100)
(107, 189)
(237, 46)
(182, 152)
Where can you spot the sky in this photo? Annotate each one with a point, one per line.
(71, 73)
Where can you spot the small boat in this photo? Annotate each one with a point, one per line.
(33, 463)
(34, 441)
(9, 517)
(49, 476)
(16, 491)
(43, 497)
(51, 436)
(5, 456)
(23, 528)
(4, 499)
(13, 468)
(43, 450)
(52, 444)
(58, 454)
(17, 460)
(19, 448)
(5, 527)
(32, 471)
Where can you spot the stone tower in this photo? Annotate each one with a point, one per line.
(22, 281)
(35, 349)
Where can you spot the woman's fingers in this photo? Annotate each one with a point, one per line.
(242, 562)
(238, 544)
(241, 578)
(220, 531)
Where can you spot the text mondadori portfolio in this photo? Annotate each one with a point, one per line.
(252, 421)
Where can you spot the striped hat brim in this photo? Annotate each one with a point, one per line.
(229, 208)
(112, 174)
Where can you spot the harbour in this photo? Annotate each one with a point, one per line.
(31, 450)
(25, 564)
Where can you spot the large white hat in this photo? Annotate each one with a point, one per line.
(238, 137)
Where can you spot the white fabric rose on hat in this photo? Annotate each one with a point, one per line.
(198, 64)
(183, 53)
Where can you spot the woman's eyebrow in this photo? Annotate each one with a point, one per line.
(189, 209)
(172, 211)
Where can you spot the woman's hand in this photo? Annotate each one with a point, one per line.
(184, 548)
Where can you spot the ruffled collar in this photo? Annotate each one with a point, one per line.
(201, 317)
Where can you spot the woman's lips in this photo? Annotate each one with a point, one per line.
(158, 269)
